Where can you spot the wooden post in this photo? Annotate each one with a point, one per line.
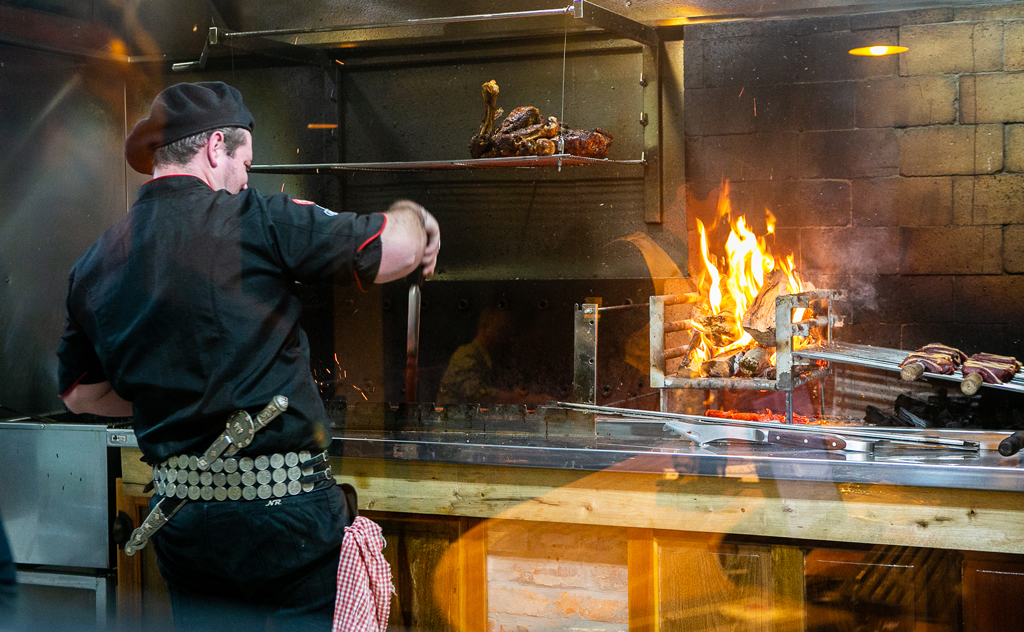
(129, 569)
(472, 574)
(788, 578)
(642, 568)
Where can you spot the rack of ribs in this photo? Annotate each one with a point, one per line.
(933, 358)
(524, 132)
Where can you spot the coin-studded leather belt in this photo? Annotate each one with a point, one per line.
(246, 478)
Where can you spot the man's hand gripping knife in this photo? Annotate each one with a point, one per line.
(241, 428)
(410, 241)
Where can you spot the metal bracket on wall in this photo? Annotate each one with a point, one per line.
(584, 381)
(650, 82)
(651, 123)
(252, 45)
(211, 38)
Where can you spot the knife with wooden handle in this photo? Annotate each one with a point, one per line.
(809, 440)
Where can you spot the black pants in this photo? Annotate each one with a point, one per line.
(254, 565)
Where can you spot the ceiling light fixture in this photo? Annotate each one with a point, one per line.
(878, 51)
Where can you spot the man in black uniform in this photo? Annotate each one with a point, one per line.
(183, 313)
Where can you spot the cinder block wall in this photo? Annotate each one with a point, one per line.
(898, 178)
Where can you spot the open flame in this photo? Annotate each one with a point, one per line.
(730, 283)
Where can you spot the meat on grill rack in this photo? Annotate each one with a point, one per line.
(483, 140)
(933, 358)
(989, 368)
(524, 132)
(593, 144)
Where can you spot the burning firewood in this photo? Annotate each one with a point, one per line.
(754, 362)
(684, 365)
(718, 329)
(722, 366)
(759, 320)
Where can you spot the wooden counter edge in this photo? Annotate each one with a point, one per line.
(967, 520)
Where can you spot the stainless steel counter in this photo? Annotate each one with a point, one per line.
(644, 448)
(985, 470)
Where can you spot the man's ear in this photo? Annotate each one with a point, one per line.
(215, 148)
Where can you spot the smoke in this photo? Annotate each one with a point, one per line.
(861, 295)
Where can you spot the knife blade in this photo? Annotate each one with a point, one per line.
(702, 434)
(412, 340)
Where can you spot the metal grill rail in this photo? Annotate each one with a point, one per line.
(885, 359)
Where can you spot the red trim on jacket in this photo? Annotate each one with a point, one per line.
(376, 235)
(365, 244)
(72, 387)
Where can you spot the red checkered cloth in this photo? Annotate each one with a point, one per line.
(364, 580)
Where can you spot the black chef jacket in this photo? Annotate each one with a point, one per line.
(186, 306)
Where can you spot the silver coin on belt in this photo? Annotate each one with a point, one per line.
(266, 476)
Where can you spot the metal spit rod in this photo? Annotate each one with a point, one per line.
(863, 434)
(860, 358)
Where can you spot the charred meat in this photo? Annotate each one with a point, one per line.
(524, 141)
(519, 118)
(484, 140)
(592, 144)
(524, 132)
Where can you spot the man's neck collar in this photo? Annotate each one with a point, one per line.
(163, 171)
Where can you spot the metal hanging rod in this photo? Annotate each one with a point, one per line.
(581, 9)
(480, 17)
(435, 165)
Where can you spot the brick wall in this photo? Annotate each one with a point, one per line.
(898, 178)
(545, 577)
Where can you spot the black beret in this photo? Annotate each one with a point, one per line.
(180, 111)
